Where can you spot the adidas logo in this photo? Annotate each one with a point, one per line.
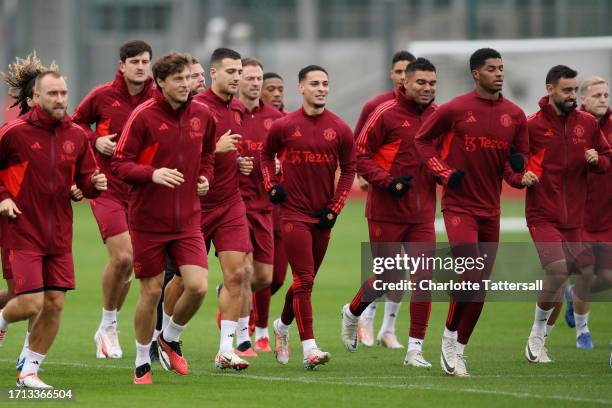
(35, 362)
(392, 315)
(163, 126)
(116, 104)
(36, 145)
(549, 133)
(296, 133)
(406, 124)
(471, 119)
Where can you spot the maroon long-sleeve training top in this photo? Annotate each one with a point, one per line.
(310, 149)
(109, 106)
(157, 136)
(598, 216)
(369, 107)
(228, 115)
(477, 134)
(255, 127)
(558, 144)
(40, 159)
(385, 150)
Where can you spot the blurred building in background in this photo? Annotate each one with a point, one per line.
(353, 39)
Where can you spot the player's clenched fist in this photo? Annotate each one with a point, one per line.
(99, 180)
(8, 208)
(529, 179)
(227, 142)
(168, 177)
(277, 194)
(75, 193)
(591, 156)
(202, 186)
(245, 165)
(105, 144)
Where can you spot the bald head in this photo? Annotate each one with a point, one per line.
(51, 93)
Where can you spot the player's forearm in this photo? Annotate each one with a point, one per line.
(345, 183)
(207, 165)
(4, 193)
(371, 172)
(92, 135)
(131, 172)
(602, 166)
(84, 183)
(268, 169)
(513, 179)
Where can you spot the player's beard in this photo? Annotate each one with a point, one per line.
(566, 110)
(318, 105)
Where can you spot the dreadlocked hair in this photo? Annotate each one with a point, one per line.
(21, 77)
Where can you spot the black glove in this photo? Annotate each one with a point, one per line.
(455, 178)
(327, 218)
(517, 161)
(400, 186)
(277, 194)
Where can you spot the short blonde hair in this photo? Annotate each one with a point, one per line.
(594, 80)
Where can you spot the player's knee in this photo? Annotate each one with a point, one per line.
(262, 281)
(122, 261)
(240, 274)
(198, 290)
(305, 286)
(249, 271)
(150, 293)
(54, 304)
(32, 305)
(587, 274)
(606, 276)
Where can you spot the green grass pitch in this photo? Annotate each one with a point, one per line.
(369, 378)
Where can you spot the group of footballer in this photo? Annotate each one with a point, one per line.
(171, 166)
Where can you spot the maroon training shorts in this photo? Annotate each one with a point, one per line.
(599, 246)
(150, 249)
(261, 232)
(111, 215)
(555, 244)
(6, 264)
(34, 271)
(227, 227)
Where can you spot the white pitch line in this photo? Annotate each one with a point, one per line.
(429, 388)
(506, 224)
(342, 381)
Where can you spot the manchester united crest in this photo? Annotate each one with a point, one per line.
(267, 124)
(68, 147)
(329, 134)
(579, 130)
(505, 120)
(196, 124)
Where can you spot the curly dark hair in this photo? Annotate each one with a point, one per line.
(21, 77)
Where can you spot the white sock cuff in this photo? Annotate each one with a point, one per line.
(282, 326)
(173, 331)
(415, 344)
(308, 345)
(460, 348)
(142, 354)
(451, 334)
